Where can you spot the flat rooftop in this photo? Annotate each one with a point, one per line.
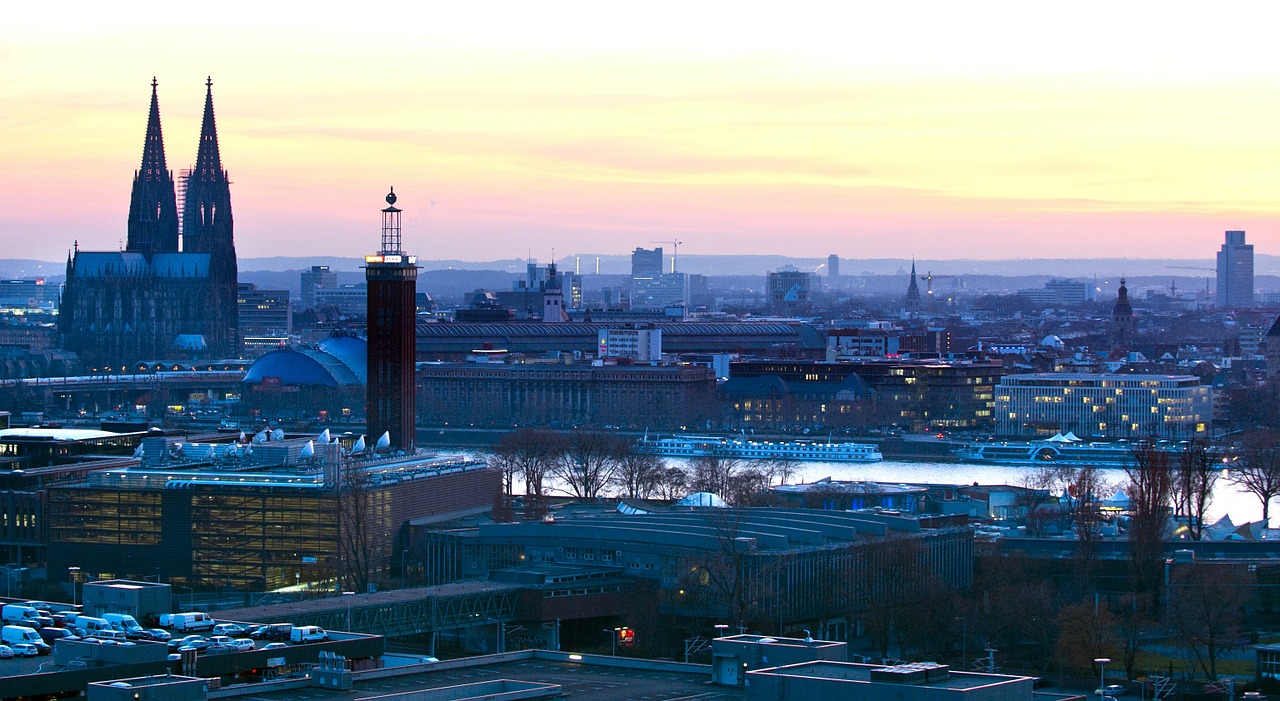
(581, 682)
(850, 671)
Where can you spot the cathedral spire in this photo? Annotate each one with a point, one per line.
(207, 228)
(208, 160)
(153, 210)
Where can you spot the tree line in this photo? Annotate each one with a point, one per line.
(588, 465)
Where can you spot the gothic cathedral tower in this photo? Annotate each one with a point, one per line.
(207, 228)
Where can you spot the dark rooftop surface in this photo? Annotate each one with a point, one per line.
(578, 681)
(274, 612)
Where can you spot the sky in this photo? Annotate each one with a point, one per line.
(869, 130)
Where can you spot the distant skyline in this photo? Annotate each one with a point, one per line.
(939, 130)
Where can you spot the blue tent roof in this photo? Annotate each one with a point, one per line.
(338, 362)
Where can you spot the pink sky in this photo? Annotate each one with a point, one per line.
(991, 130)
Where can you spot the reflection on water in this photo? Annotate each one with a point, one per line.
(1241, 506)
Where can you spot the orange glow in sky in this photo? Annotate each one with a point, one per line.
(946, 130)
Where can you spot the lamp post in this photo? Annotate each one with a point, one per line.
(347, 595)
(1102, 675)
(73, 572)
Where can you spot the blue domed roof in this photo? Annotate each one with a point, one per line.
(353, 351)
(338, 362)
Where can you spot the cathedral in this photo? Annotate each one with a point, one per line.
(171, 293)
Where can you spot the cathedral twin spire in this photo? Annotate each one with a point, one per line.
(153, 212)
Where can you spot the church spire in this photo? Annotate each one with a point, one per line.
(913, 290)
(208, 159)
(207, 228)
(153, 210)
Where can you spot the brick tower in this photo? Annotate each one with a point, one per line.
(392, 276)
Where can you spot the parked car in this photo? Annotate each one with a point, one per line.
(25, 650)
(49, 635)
(231, 629)
(5, 652)
(1110, 690)
(159, 634)
(243, 644)
(272, 631)
(275, 646)
(194, 641)
(308, 634)
(219, 640)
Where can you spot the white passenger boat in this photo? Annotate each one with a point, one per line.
(1067, 451)
(689, 446)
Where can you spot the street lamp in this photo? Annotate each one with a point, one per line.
(1102, 675)
(73, 572)
(348, 594)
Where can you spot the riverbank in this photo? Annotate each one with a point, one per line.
(893, 448)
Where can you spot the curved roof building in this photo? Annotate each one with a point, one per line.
(334, 362)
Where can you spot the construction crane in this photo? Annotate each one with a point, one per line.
(675, 250)
(928, 280)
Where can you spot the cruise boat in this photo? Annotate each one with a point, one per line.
(1067, 451)
(688, 446)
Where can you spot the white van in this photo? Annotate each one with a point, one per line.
(12, 635)
(90, 626)
(191, 621)
(20, 614)
(123, 622)
(307, 634)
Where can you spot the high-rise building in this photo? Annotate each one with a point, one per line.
(790, 291)
(393, 277)
(833, 266)
(153, 301)
(646, 263)
(319, 277)
(1235, 272)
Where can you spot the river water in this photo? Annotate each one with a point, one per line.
(1242, 507)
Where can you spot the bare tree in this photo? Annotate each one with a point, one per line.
(638, 474)
(1256, 468)
(362, 528)
(713, 473)
(1151, 486)
(1086, 486)
(1197, 473)
(1038, 486)
(673, 483)
(1084, 632)
(588, 462)
(529, 454)
(1205, 606)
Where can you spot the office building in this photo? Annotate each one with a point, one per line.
(319, 277)
(646, 263)
(1235, 272)
(560, 395)
(1103, 405)
(641, 345)
(833, 266)
(151, 300)
(344, 300)
(790, 292)
(392, 276)
(263, 311)
(263, 516)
